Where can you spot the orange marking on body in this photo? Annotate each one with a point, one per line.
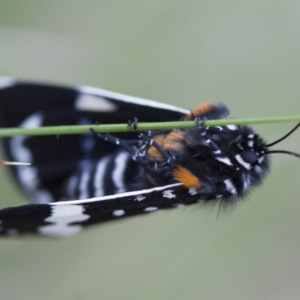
(174, 140)
(198, 111)
(152, 151)
(185, 177)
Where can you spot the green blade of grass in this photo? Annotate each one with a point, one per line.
(82, 129)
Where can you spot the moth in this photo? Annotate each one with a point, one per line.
(80, 180)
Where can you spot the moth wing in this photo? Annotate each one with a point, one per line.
(63, 219)
(54, 158)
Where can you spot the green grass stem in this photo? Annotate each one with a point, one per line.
(82, 129)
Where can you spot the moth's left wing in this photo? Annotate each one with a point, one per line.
(62, 219)
(54, 159)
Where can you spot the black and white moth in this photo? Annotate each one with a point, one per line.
(122, 175)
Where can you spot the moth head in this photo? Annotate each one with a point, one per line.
(241, 154)
(246, 148)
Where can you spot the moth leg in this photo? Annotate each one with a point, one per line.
(170, 160)
(110, 138)
(200, 124)
(133, 123)
(137, 155)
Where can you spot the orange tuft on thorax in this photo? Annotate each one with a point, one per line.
(173, 141)
(185, 177)
(198, 111)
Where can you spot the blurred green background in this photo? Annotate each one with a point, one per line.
(245, 54)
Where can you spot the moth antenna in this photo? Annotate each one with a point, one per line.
(284, 137)
(284, 152)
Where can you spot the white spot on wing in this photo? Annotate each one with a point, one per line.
(150, 208)
(118, 172)
(139, 198)
(94, 103)
(27, 175)
(20, 151)
(193, 192)
(168, 194)
(62, 219)
(99, 176)
(129, 99)
(118, 213)
(84, 181)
